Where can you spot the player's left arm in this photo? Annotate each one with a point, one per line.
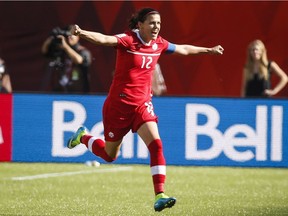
(186, 49)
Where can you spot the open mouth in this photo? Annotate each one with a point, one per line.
(154, 34)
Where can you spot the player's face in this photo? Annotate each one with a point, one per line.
(150, 28)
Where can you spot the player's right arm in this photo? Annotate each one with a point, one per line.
(94, 37)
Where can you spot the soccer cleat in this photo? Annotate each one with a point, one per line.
(162, 201)
(75, 139)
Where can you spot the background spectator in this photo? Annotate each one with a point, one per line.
(158, 82)
(257, 73)
(5, 83)
(68, 63)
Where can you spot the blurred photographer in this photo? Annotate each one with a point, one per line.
(5, 83)
(68, 62)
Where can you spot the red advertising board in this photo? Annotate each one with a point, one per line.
(5, 127)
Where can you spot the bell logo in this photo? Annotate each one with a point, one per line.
(229, 141)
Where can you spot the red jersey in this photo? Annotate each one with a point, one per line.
(135, 62)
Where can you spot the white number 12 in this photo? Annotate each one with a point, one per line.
(146, 61)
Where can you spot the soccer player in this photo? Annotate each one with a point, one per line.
(128, 105)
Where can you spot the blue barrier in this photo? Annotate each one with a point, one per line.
(195, 131)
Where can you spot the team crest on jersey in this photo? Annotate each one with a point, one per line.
(154, 46)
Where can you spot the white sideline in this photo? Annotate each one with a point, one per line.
(52, 175)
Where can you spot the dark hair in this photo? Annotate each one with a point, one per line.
(141, 16)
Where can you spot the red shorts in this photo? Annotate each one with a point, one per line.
(119, 118)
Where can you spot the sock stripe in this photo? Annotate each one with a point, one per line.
(90, 143)
(160, 169)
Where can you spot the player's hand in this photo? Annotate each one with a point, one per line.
(75, 30)
(217, 50)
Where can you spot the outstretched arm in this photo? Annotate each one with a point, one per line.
(94, 37)
(185, 49)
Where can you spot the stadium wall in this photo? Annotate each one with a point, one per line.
(195, 131)
(233, 24)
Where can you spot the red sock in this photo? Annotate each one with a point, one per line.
(96, 146)
(157, 165)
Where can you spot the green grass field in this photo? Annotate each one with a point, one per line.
(75, 189)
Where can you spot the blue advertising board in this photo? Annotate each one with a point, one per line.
(194, 131)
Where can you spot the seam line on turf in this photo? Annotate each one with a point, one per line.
(53, 175)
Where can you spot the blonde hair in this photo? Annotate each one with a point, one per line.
(249, 66)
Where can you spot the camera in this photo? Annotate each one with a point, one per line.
(58, 31)
(54, 49)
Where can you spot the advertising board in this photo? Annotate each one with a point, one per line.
(195, 131)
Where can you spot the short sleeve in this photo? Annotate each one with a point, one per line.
(123, 40)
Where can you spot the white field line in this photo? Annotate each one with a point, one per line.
(52, 175)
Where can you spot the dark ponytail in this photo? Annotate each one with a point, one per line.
(141, 16)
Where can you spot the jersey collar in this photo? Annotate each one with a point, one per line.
(139, 37)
